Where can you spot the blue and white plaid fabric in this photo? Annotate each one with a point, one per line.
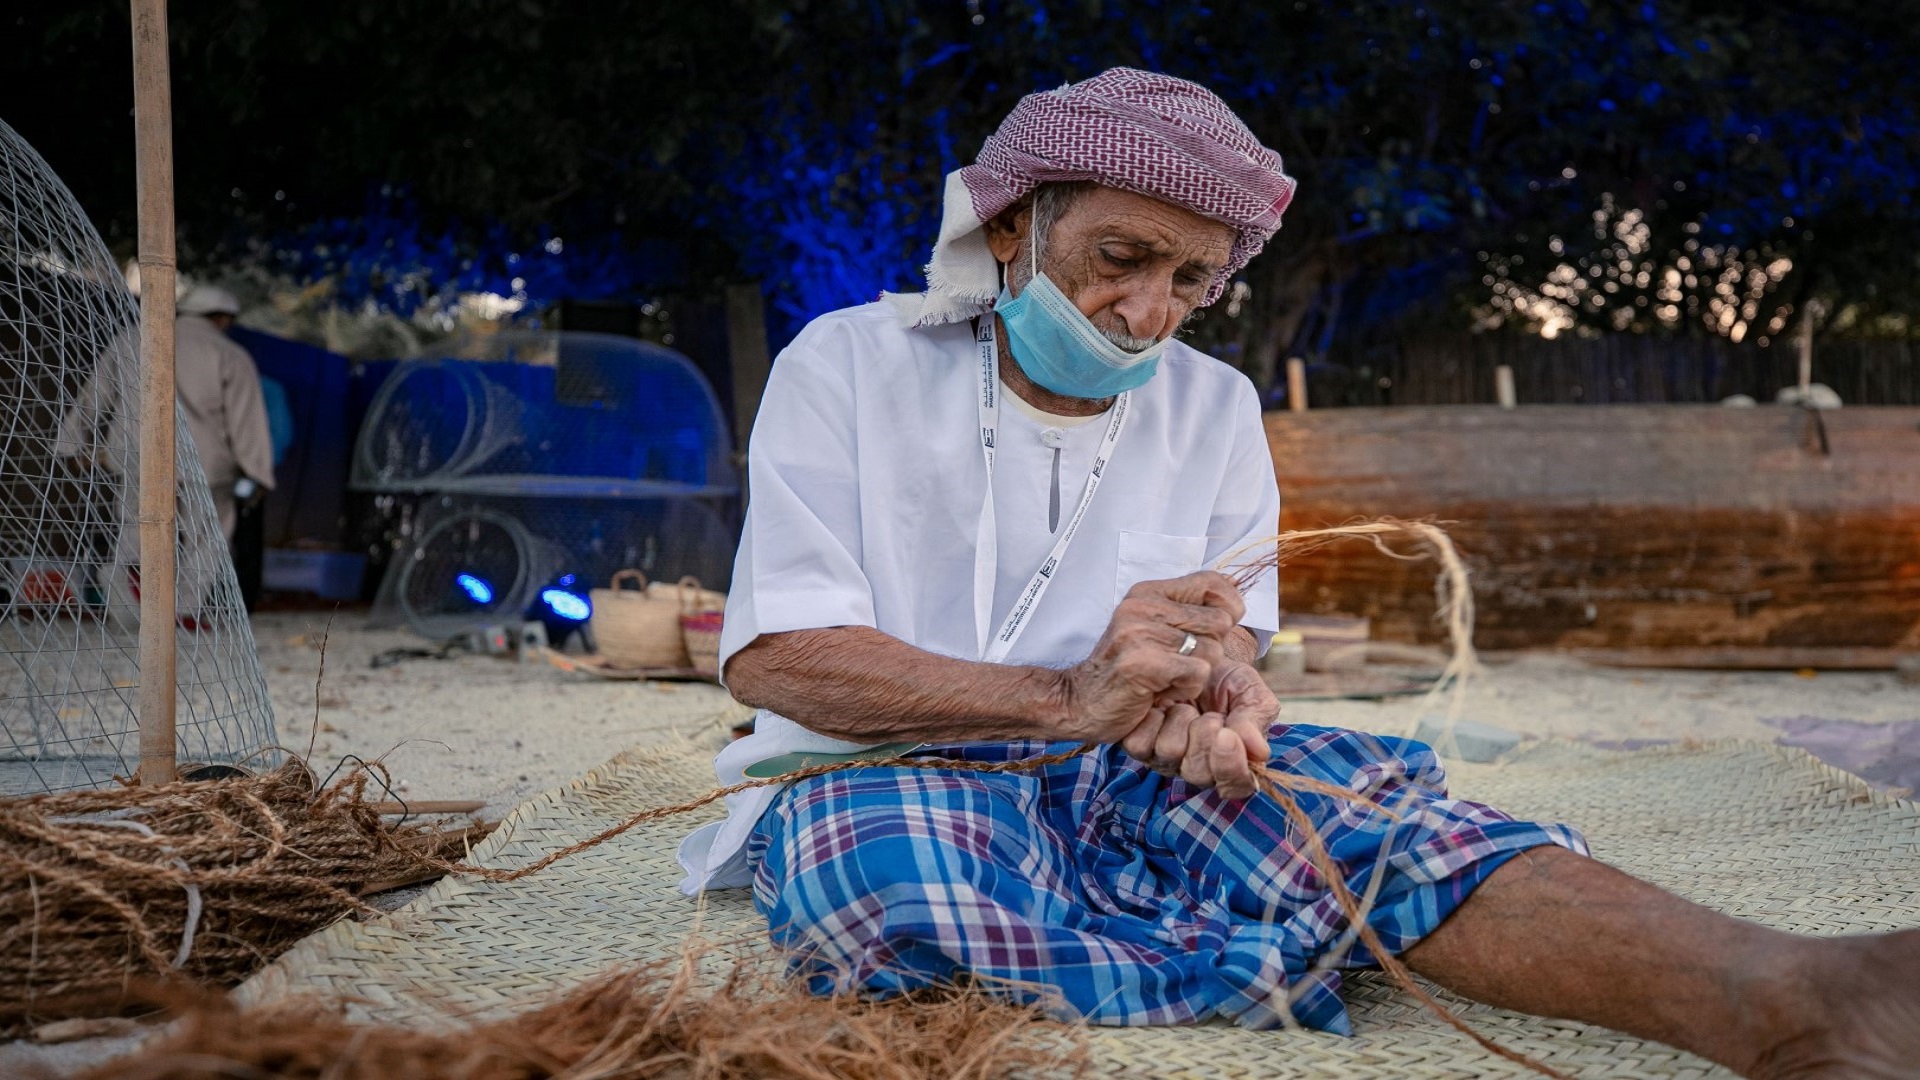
(1113, 893)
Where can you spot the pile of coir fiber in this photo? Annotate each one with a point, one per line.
(655, 1021)
(103, 891)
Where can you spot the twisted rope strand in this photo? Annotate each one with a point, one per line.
(1357, 914)
(1029, 764)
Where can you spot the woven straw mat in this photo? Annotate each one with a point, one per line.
(1762, 832)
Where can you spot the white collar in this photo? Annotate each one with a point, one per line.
(1041, 416)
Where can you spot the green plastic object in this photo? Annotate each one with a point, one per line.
(786, 763)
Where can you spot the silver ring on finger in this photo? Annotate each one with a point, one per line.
(1186, 647)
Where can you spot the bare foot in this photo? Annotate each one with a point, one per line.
(1864, 998)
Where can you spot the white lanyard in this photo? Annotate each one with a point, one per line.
(986, 549)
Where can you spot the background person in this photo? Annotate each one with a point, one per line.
(219, 390)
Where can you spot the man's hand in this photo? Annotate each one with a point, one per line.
(247, 491)
(1136, 668)
(1216, 742)
(858, 684)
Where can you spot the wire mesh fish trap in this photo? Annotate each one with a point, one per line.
(517, 462)
(69, 527)
(546, 414)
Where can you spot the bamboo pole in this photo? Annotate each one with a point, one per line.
(153, 143)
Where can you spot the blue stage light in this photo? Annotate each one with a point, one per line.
(566, 605)
(476, 589)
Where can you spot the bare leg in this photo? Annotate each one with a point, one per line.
(1556, 934)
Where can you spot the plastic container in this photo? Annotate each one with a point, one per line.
(1287, 656)
(1333, 642)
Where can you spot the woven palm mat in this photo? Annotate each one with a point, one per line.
(1763, 832)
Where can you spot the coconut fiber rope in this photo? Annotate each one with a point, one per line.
(102, 892)
(654, 1020)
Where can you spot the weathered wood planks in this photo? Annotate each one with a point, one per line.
(1619, 526)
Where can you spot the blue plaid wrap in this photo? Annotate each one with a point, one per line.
(1114, 894)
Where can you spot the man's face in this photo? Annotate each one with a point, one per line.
(1136, 267)
(222, 320)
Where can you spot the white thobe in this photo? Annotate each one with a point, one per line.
(867, 483)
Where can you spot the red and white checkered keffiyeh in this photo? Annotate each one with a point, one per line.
(1152, 134)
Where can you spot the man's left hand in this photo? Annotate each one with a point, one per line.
(1216, 741)
(249, 492)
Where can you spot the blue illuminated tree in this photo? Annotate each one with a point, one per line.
(1443, 148)
(1452, 154)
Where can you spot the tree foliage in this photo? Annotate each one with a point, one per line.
(1453, 155)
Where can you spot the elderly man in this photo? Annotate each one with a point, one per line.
(982, 525)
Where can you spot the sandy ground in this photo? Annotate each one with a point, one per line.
(470, 727)
(1866, 722)
(495, 729)
(1549, 695)
(476, 727)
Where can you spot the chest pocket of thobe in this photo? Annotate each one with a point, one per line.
(1148, 556)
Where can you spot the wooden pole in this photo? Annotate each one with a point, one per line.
(153, 143)
(1296, 384)
(1503, 386)
(747, 356)
(1807, 316)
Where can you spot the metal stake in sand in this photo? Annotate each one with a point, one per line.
(153, 139)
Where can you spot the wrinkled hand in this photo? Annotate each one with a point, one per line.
(1215, 741)
(1136, 668)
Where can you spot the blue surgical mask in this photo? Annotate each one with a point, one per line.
(1062, 350)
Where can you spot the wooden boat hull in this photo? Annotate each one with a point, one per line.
(1619, 526)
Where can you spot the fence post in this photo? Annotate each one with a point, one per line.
(1503, 386)
(747, 356)
(1811, 312)
(1296, 384)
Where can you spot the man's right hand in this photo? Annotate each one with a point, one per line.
(1137, 667)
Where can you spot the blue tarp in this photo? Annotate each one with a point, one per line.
(308, 503)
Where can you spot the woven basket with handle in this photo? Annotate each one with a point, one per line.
(700, 617)
(640, 627)
(689, 594)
